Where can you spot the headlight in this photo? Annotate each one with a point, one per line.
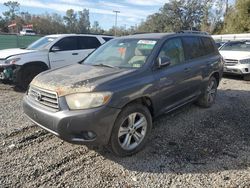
(12, 61)
(245, 61)
(87, 100)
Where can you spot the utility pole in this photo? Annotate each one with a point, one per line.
(116, 12)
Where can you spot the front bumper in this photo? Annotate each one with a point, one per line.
(73, 126)
(239, 69)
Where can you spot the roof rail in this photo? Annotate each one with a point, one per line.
(138, 33)
(193, 32)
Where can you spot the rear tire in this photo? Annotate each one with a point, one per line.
(247, 77)
(131, 130)
(207, 99)
(26, 74)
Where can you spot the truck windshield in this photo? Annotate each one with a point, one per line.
(41, 43)
(237, 46)
(122, 53)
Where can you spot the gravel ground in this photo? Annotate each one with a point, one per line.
(191, 147)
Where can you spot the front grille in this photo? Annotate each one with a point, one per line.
(44, 97)
(231, 62)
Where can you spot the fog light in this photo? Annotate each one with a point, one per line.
(246, 69)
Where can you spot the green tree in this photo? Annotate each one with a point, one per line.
(176, 15)
(14, 8)
(3, 25)
(237, 19)
(71, 21)
(96, 28)
(83, 21)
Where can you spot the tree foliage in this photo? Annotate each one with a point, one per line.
(237, 19)
(13, 7)
(176, 15)
(213, 16)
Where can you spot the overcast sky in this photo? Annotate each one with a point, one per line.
(132, 11)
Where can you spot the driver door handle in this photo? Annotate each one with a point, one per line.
(74, 53)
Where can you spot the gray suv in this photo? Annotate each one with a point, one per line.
(111, 97)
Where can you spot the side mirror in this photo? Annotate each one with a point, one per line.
(55, 49)
(163, 61)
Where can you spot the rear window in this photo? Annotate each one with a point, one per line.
(88, 42)
(193, 47)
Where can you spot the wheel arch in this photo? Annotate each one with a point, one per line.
(144, 100)
(216, 75)
(36, 63)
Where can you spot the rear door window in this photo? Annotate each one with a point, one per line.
(87, 42)
(67, 44)
(193, 47)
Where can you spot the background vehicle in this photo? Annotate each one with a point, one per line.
(237, 58)
(27, 32)
(111, 98)
(49, 52)
(219, 44)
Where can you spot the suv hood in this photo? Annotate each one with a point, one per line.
(237, 55)
(4, 54)
(76, 78)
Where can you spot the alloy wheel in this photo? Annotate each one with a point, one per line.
(132, 131)
(211, 91)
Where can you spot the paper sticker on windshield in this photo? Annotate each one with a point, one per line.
(149, 42)
(146, 44)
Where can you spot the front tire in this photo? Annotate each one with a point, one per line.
(131, 130)
(207, 99)
(247, 77)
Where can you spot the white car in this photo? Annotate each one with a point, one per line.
(49, 52)
(27, 32)
(237, 58)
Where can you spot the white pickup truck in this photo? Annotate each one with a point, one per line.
(49, 52)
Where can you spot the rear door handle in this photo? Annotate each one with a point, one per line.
(74, 53)
(188, 69)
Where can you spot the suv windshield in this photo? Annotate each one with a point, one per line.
(237, 46)
(41, 43)
(122, 53)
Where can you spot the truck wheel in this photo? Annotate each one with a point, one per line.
(247, 77)
(207, 99)
(26, 74)
(131, 130)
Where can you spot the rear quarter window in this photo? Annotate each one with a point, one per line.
(107, 39)
(208, 46)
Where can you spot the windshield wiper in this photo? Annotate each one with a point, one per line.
(104, 65)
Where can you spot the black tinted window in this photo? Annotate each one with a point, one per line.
(88, 43)
(67, 43)
(208, 46)
(173, 50)
(107, 38)
(193, 47)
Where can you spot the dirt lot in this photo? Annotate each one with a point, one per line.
(191, 147)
